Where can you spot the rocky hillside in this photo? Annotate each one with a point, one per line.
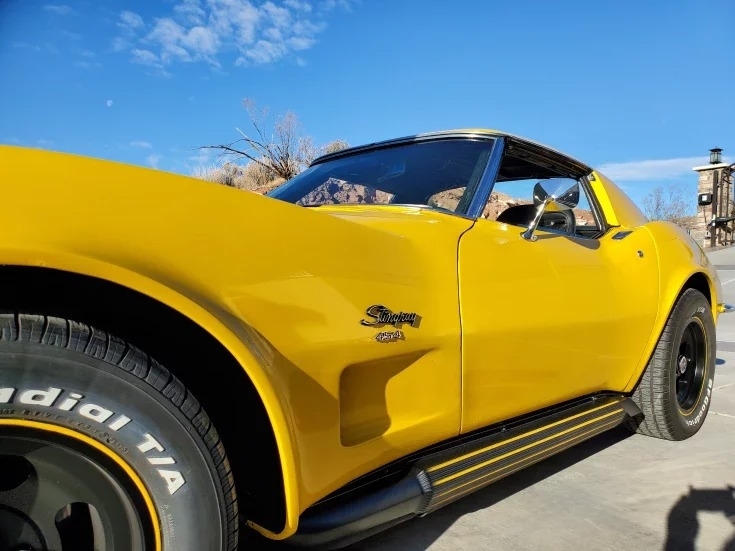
(335, 191)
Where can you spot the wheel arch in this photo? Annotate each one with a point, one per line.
(700, 282)
(136, 314)
(671, 291)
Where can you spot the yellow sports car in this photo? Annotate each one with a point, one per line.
(399, 325)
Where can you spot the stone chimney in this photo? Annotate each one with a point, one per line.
(714, 203)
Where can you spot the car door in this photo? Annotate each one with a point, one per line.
(550, 319)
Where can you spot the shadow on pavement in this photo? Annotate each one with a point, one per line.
(683, 526)
(419, 534)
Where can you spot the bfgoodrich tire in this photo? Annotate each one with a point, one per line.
(675, 391)
(86, 418)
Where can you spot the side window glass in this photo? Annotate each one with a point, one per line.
(448, 199)
(583, 212)
(511, 202)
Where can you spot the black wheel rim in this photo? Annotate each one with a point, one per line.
(58, 494)
(690, 365)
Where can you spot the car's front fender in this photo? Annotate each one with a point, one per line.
(681, 264)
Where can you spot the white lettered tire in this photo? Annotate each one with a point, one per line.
(675, 392)
(116, 430)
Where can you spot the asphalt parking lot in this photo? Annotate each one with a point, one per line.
(616, 491)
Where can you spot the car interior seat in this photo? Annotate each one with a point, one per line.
(523, 215)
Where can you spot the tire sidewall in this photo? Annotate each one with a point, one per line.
(693, 306)
(188, 501)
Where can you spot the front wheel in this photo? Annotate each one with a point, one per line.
(675, 391)
(102, 448)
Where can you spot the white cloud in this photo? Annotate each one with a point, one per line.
(297, 5)
(300, 43)
(58, 9)
(265, 51)
(329, 5)
(130, 20)
(109, 103)
(145, 57)
(130, 24)
(140, 143)
(191, 10)
(654, 169)
(203, 30)
(119, 44)
(153, 159)
(200, 159)
(26, 45)
(280, 17)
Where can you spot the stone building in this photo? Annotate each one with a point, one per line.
(715, 205)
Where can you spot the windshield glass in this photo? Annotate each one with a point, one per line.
(436, 174)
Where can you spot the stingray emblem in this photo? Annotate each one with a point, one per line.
(381, 315)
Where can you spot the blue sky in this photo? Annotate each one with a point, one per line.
(642, 89)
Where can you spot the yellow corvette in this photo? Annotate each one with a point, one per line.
(399, 325)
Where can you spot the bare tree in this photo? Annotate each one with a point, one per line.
(670, 204)
(284, 152)
(334, 146)
(227, 174)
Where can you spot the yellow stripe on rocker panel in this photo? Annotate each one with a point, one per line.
(523, 448)
(474, 484)
(520, 436)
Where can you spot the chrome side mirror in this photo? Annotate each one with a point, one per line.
(557, 202)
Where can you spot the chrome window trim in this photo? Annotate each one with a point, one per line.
(487, 181)
(407, 140)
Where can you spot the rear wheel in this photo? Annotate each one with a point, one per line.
(675, 391)
(102, 448)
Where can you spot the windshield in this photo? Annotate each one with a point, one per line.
(439, 174)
